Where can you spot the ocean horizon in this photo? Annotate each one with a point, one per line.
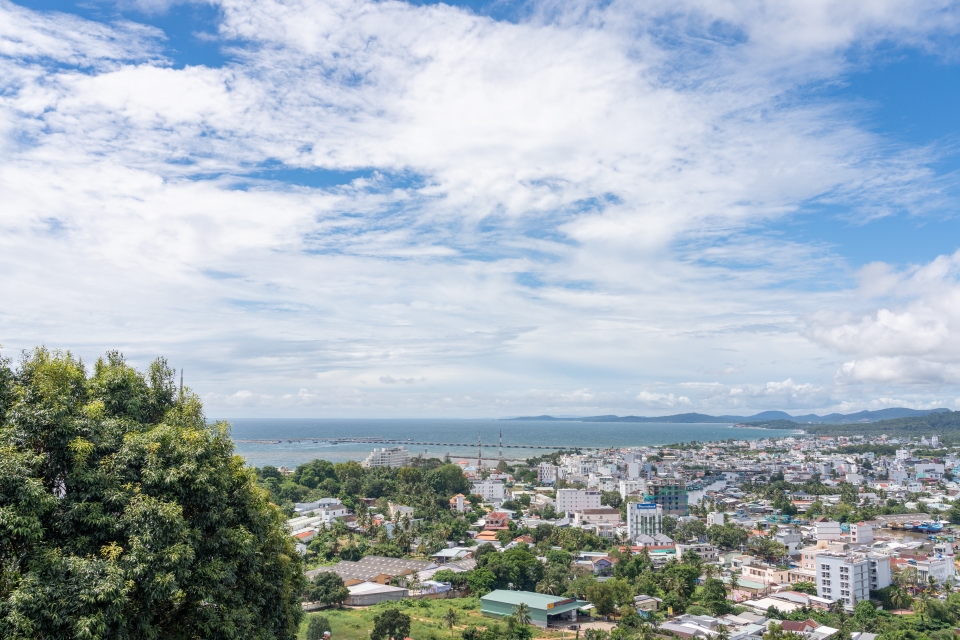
(294, 441)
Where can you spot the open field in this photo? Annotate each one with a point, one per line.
(355, 623)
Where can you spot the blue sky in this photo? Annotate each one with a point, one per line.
(353, 208)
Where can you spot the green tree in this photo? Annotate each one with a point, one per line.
(450, 618)
(126, 515)
(602, 598)
(326, 587)
(318, 624)
(714, 597)
(390, 624)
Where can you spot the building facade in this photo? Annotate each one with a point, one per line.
(489, 490)
(644, 519)
(572, 500)
(669, 493)
(384, 457)
(849, 577)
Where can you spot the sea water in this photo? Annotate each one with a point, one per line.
(295, 441)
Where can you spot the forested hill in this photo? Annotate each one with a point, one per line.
(768, 417)
(942, 423)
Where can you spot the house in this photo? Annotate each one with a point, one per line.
(603, 515)
(459, 503)
(451, 555)
(802, 627)
(646, 603)
(497, 521)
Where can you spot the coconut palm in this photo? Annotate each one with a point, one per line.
(522, 613)
(734, 581)
(920, 605)
(898, 598)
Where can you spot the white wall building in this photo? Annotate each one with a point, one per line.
(489, 490)
(789, 538)
(716, 518)
(849, 577)
(548, 473)
(939, 565)
(644, 519)
(861, 533)
(828, 530)
(632, 486)
(571, 500)
(929, 470)
(384, 457)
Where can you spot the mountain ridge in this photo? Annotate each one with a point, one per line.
(763, 416)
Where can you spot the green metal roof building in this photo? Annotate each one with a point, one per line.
(544, 609)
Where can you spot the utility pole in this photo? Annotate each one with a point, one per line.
(181, 383)
(501, 445)
(479, 454)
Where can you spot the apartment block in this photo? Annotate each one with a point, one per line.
(571, 500)
(849, 577)
(644, 519)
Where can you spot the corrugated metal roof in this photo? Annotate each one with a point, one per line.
(533, 600)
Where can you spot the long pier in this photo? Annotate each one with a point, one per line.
(393, 441)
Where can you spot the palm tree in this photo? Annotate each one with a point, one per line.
(723, 633)
(522, 613)
(920, 605)
(450, 618)
(734, 581)
(898, 598)
(646, 632)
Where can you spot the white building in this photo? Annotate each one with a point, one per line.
(603, 515)
(938, 565)
(644, 519)
(572, 500)
(548, 473)
(861, 533)
(634, 469)
(384, 457)
(854, 478)
(716, 518)
(489, 490)
(790, 538)
(632, 486)
(903, 455)
(707, 552)
(849, 577)
(828, 530)
(929, 470)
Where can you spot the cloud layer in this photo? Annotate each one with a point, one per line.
(389, 209)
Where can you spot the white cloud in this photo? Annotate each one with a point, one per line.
(557, 214)
(914, 338)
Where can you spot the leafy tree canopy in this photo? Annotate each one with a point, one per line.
(123, 514)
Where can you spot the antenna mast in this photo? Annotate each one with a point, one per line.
(181, 382)
(501, 445)
(479, 454)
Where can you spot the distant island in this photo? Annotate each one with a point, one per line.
(893, 422)
(765, 416)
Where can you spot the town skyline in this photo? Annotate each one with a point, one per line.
(503, 208)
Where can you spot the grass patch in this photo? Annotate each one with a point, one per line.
(426, 619)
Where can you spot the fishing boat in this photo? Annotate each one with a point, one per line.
(929, 527)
